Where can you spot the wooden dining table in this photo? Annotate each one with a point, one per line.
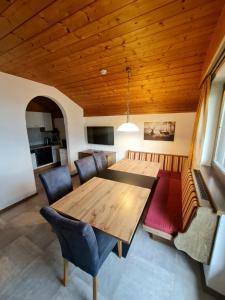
(139, 167)
(111, 206)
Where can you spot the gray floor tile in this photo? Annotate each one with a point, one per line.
(30, 257)
(38, 281)
(144, 280)
(2, 224)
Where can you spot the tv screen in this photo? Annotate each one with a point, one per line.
(102, 135)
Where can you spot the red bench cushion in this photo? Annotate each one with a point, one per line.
(164, 213)
(163, 173)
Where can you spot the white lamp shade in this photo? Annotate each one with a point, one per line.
(128, 127)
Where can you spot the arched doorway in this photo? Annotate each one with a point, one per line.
(46, 134)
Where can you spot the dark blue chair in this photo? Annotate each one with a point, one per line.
(86, 168)
(83, 246)
(100, 161)
(57, 183)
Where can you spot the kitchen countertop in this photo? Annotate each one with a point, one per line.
(91, 151)
(34, 147)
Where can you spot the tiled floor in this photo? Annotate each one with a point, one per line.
(31, 265)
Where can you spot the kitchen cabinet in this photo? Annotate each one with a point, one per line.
(63, 156)
(39, 119)
(43, 155)
(55, 153)
(47, 121)
(34, 161)
(34, 119)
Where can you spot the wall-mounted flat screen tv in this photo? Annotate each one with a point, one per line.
(102, 135)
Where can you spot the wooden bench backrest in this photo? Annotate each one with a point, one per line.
(167, 162)
(189, 197)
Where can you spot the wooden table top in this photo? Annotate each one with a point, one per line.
(113, 207)
(137, 167)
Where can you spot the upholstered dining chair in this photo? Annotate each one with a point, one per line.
(57, 183)
(83, 246)
(100, 161)
(86, 168)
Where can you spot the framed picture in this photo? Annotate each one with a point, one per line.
(159, 131)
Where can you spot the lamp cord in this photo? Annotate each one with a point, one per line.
(128, 92)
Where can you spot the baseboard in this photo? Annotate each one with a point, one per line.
(207, 289)
(17, 203)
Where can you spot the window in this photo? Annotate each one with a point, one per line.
(219, 158)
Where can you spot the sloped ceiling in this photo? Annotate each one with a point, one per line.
(65, 43)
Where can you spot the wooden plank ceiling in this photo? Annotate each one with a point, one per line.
(65, 43)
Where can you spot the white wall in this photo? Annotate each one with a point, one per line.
(135, 141)
(215, 272)
(16, 173)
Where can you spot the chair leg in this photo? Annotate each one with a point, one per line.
(120, 247)
(94, 288)
(65, 280)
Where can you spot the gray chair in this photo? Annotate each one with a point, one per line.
(83, 246)
(100, 161)
(57, 183)
(86, 168)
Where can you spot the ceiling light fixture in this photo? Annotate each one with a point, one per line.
(128, 126)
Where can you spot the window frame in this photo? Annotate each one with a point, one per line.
(218, 170)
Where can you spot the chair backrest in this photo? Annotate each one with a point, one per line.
(189, 197)
(57, 183)
(77, 240)
(86, 168)
(168, 162)
(100, 161)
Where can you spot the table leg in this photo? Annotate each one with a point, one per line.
(65, 280)
(119, 245)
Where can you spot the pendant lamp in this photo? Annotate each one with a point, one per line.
(128, 126)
